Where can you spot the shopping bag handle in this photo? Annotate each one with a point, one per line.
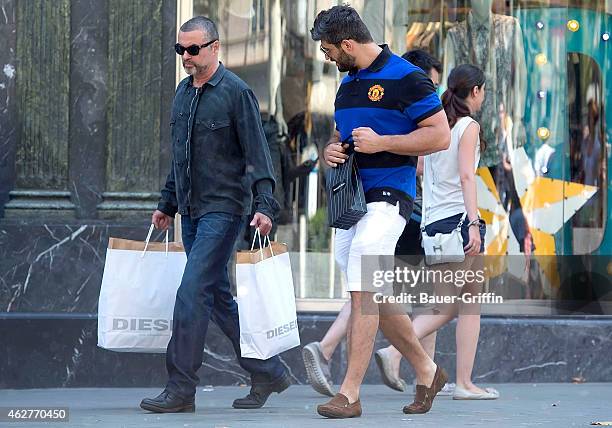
(149, 238)
(267, 237)
(257, 236)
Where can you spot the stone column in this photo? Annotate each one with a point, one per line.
(88, 92)
(8, 107)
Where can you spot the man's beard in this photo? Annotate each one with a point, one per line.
(345, 62)
(195, 69)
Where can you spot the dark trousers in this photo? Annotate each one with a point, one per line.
(204, 294)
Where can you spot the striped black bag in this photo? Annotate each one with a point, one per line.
(345, 197)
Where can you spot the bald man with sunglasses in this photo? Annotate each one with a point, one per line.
(220, 159)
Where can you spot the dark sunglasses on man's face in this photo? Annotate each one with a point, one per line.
(192, 50)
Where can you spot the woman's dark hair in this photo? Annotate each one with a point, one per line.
(340, 23)
(461, 80)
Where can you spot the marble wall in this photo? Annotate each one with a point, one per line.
(56, 267)
(50, 275)
(62, 352)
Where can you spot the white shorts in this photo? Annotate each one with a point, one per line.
(376, 233)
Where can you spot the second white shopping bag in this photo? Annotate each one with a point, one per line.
(266, 300)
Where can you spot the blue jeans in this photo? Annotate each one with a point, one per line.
(204, 294)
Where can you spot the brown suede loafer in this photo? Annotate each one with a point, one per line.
(424, 396)
(339, 408)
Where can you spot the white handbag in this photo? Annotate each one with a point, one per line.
(443, 247)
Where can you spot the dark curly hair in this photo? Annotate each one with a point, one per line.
(340, 23)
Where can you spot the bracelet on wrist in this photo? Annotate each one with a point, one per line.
(476, 222)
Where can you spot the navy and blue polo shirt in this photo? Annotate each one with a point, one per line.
(391, 96)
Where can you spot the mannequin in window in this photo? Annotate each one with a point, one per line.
(494, 43)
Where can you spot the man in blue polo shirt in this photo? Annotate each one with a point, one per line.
(390, 110)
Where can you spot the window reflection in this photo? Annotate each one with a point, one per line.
(541, 104)
(587, 154)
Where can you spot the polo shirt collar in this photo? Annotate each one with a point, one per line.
(380, 61)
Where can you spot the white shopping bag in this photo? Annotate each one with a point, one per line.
(266, 301)
(138, 293)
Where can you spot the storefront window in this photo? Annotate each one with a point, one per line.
(587, 149)
(543, 178)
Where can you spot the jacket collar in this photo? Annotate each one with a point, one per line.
(215, 79)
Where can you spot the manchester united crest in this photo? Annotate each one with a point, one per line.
(376, 92)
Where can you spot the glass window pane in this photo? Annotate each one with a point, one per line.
(587, 149)
(543, 175)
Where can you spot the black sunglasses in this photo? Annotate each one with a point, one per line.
(192, 50)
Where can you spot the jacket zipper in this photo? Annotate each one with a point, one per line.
(188, 145)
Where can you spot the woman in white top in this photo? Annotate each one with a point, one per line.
(449, 182)
(449, 196)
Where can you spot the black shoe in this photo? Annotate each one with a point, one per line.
(260, 393)
(167, 402)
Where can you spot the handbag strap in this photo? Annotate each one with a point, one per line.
(462, 220)
(422, 214)
(424, 209)
(351, 145)
(423, 204)
(463, 217)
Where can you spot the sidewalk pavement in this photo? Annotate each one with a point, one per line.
(520, 405)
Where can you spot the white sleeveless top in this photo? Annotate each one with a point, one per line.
(442, 193)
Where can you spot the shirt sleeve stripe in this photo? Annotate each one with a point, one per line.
(424, 108)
